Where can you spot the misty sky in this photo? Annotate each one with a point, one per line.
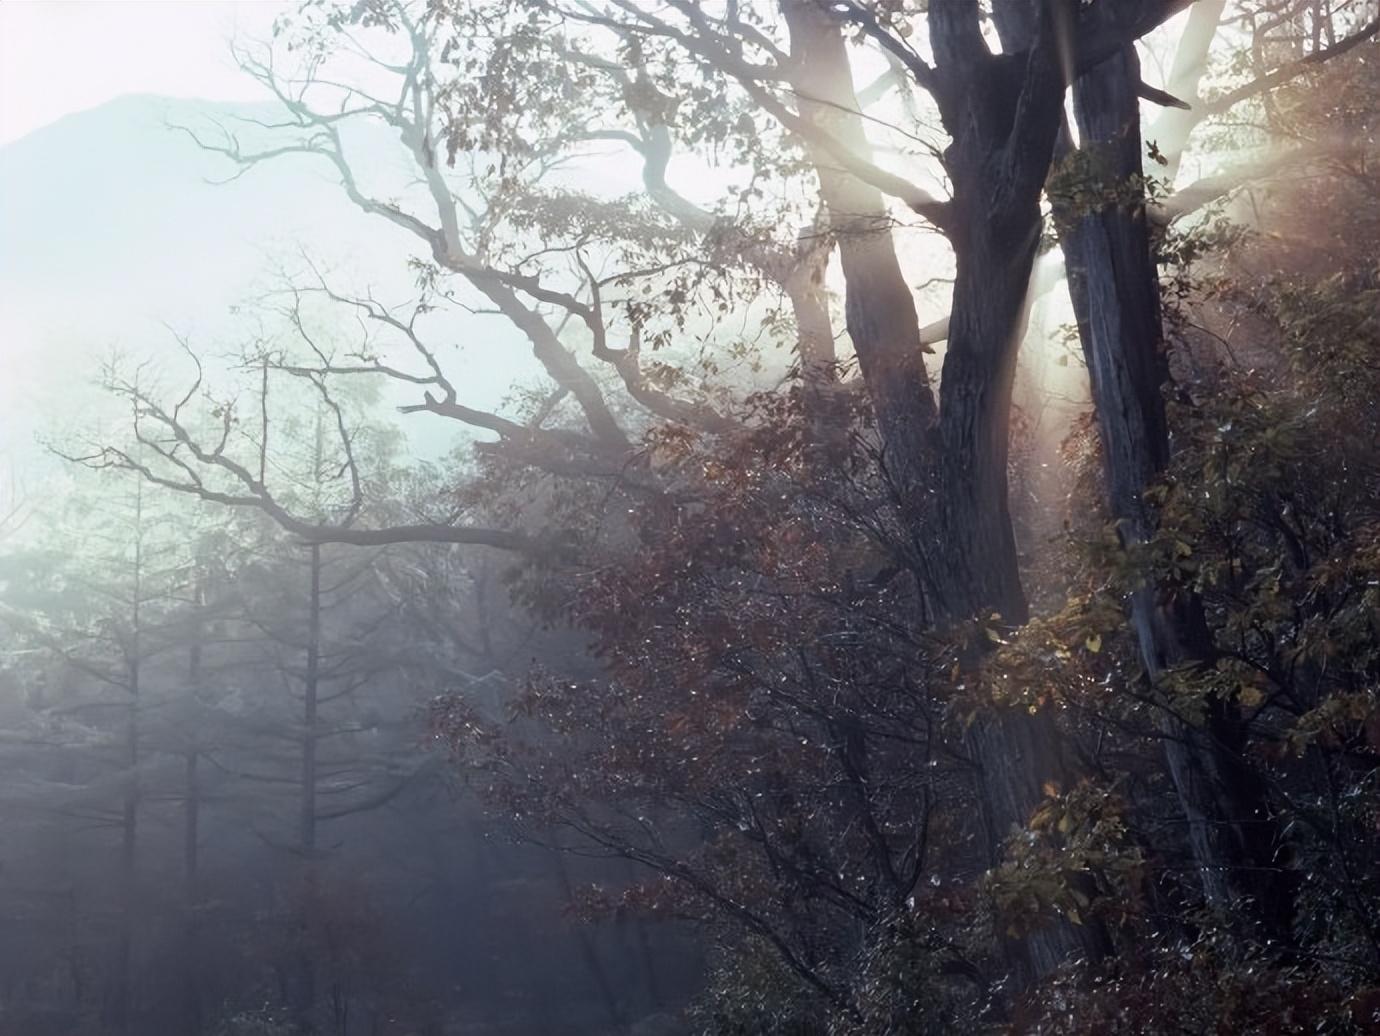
(60, 57)
(64, 56)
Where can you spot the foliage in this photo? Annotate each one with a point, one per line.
(876, 798)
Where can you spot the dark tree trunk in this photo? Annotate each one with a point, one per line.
(120, 1011)
(1235, 846)
(121, 1019)
(975, 569)
(975, 574)
(310, 700)
(1003, 114)
(192, 934)
(311, 689)
(191, 843)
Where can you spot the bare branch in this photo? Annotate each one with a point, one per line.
(1293, 70)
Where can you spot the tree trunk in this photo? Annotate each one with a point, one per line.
(121, 995)
(1234, 843)
(310, 700)
(120, 1013)
(975, 574)
(879, 310)
(191, 834)
(975, 568)
(191, 964)
(589, 953)
(306, 992)
(1003, 114)
(826, 422)
(1003, 122)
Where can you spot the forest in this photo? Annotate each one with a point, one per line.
(755, 518)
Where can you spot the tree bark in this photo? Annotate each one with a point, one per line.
(879, 309)
(1003, 114)
(1235, 845)
(826, 422)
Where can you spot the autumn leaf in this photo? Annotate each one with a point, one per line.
(1250, 696)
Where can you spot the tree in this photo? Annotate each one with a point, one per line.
(899, 628)
(952, 484)
(105, 605)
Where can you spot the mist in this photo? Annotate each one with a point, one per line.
(808, 518)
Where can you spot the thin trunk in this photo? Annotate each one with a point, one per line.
(1115, 290)
(192, 1018)
(129, 834)
(588, 951)
(306, 992)
(310, 702)
(645, 949)
(191, 822)
(305, 1004)
(120, 1011)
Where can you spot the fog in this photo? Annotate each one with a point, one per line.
(820, 519)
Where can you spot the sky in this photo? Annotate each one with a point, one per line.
(64, 56)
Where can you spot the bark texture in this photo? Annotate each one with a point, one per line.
(1235, 845)
(1002, 113)
(879, 309)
